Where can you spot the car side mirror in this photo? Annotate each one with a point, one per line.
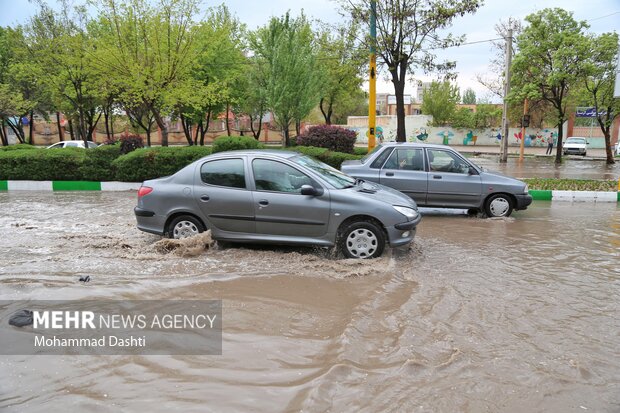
(308, 190)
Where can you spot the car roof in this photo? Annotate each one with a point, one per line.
(415, 145)
(275, 152)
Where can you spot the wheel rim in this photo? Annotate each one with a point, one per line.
(184, 229)
(499, 207)
(362, 243)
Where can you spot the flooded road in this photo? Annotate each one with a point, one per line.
(478, 315)
(541, 167)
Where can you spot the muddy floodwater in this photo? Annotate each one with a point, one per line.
(478, 315)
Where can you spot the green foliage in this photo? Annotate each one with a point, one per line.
(469, 97)
(286, 48)
(331, 137)
(42, 165)
(334, 159)
(149, 163)
(19, 146)
(463, 118)
(551, 184)
(231, 143)
(361, 151)
(440, 102)
(97, 164)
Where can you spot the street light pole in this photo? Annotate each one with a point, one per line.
(504, 148)
(372, 83)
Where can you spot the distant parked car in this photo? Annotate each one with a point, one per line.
(575, 146)
(276, 197)
(618, 147)
(439, 176)
(72, 144)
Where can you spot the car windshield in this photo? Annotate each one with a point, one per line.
(336, 178)
(575, 140)
(375, 149)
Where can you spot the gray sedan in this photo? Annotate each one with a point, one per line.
(277, 197)
(439, 176)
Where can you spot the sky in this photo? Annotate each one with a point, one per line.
(602, 15)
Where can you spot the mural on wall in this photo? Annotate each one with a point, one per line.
(540, 137)
(420, 134)
(470, 137)
(446, 135)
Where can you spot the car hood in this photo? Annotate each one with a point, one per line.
(496, 177)
(382, 193)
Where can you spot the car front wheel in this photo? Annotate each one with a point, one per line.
(498, 205)
(362, 239)
(184, 226)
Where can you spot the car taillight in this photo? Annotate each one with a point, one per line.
(144, 190)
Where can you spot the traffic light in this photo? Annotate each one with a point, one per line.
(525, 122)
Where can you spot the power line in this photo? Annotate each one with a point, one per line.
(602, 17)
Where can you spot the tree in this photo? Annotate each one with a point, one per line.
(286, 49)
(601, 72)
(440, 101)
(407, 32)
(147, 50)
(340, 68)
(469, 97)
(549, 64)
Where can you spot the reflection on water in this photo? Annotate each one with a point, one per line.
(502, 315)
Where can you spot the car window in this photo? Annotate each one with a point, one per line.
(275, 176)
(406, 159)
(336, 178)
(71, 144)
(56, 145)
(445, 161)
(224, 172)
(369, 154)
(92, 145)
(377, 163)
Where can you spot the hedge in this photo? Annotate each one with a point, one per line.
(231, 143)
(332, 137)
(106, 163)
(149, 163)
(17, 147)
(555, 184)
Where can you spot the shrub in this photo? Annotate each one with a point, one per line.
(360, 150)
(334, 159)
(17, 146)
(97, 165)
(334, 138)
(231, 143)
(42, 165)
(130, 143)
(149, 163)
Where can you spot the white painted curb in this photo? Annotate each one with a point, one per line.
(29, 185)
(120, 186)
(584, 196)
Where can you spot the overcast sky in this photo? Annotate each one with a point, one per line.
(602, 15)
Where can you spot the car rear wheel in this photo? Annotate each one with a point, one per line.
(184, 226)
(362, 239)
(498, 205)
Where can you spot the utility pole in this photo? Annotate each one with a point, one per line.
(372, 83)
(504, 148)
(525, 122)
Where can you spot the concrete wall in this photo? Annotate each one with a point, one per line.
(417, 131)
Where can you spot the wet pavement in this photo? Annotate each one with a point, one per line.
(545, 167)
(499, 315)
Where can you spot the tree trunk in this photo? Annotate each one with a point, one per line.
(327, 115)
(399, 91)
(297, 127)
(187, 130)
(205, 129)
(558, 149)
(162, 125)
(71, 129)
(31, 129)
(106, 119)
(60, 131)
(3, 137)
(287, 140)
(227, 119)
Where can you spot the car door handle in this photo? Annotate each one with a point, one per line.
(436, 176)
(263, 202)
(204, 198)
(389, 174)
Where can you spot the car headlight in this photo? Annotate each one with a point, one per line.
(526, 190)
(410, 213)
